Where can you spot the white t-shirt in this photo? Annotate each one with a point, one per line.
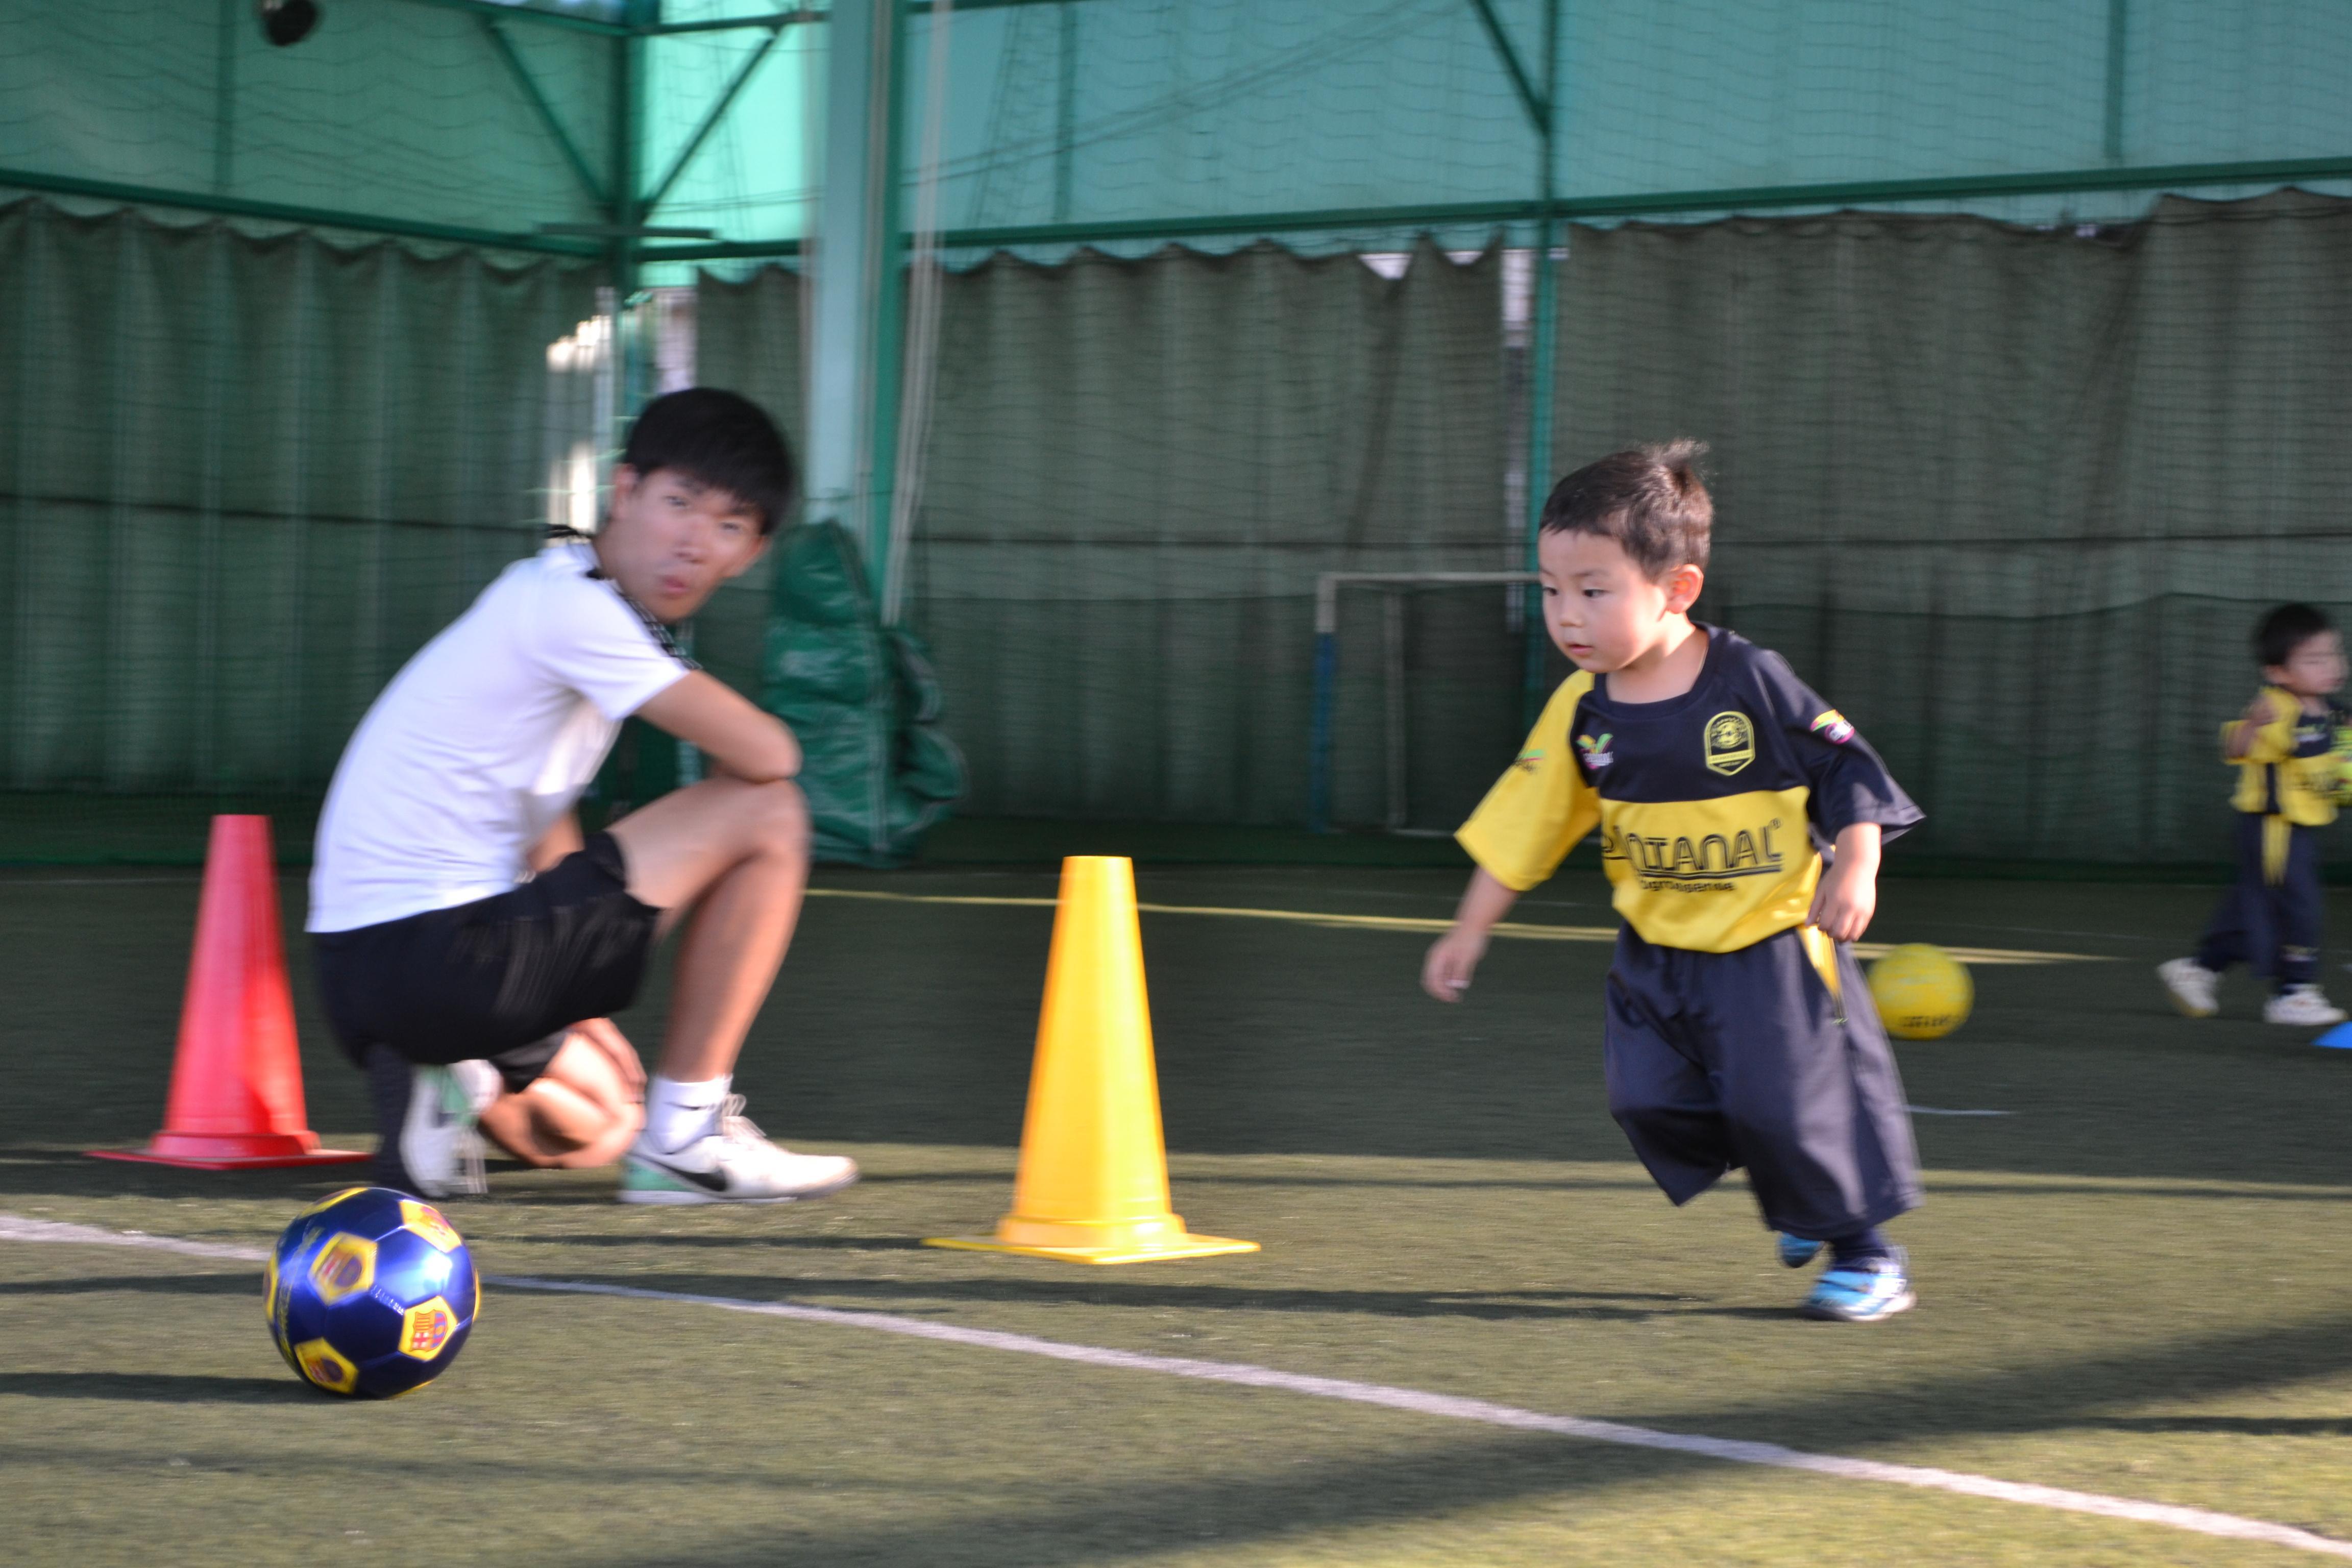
(483, 742)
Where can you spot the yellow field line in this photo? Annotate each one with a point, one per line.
(1519, 929)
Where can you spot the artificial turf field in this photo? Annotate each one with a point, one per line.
(2136, 1283)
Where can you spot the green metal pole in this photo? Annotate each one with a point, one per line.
(1066, 113)
(232, 17)
(1543, 349)
(626, 205)
(889, 303)
(532, 94)
(2118, 37)
(857, 323)
(279, 212)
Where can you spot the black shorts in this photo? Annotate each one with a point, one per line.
(502, 978)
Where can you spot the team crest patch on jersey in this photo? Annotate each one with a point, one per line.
(1730, 742)
(1596, 750)
(1833, 727)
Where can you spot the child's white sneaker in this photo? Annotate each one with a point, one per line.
(2191, 985)
(2305, 1005)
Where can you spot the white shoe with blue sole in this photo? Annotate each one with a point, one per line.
(1863, 1291)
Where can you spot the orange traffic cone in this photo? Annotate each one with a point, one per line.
(237, 1081)
(1093, 1185)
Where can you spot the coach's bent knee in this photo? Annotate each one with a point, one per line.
(779, 819)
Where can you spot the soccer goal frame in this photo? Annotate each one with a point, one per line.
(1392, 586)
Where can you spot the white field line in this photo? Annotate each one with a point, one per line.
(2202, 1522)
(1522, 929)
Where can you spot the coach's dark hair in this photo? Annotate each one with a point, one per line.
(721, 438)
(2285, 629)
(1648, 499)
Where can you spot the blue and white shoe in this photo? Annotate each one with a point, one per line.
(1796, 1251)
(1864, 1291)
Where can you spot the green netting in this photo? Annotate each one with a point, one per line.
(748, 338)
(241, 481)
(1136, 472)
(2010, 493)
(1216, 117)
(2014, 498)
(399, 110)
(1156, 115)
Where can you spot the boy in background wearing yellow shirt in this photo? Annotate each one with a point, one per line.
(2290, 752)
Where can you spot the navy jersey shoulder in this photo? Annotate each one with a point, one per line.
(1708, 742)
(1747, 724)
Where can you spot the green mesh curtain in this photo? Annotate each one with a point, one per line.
(2012, 493)
(748, 340)
(1137, 470)
(241, 481)
(2013, 498)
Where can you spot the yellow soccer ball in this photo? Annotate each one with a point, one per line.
(1923, 992)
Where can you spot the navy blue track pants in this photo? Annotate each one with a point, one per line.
(1720, 1060)
(2269, 919)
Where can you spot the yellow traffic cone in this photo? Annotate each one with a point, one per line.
(1093, 1185)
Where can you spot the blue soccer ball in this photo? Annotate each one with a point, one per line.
(370, 1293)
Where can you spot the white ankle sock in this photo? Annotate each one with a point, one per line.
(677, 1113)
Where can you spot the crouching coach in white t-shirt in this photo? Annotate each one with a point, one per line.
(469, 939)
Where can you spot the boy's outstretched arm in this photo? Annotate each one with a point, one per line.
(1848, 894)
(1453, 957)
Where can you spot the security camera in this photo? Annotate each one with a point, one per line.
(285, 22)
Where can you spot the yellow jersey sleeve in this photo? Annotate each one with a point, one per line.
(1541, 807)
(2273, 741)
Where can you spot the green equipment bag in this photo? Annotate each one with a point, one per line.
(862, 698)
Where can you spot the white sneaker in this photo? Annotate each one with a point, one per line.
(2306, 1006)
(439, 1148)
(2191, 985)
(732, 1163)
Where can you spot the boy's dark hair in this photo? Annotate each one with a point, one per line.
(1648, 499)
(2285, 629)
(721, 438)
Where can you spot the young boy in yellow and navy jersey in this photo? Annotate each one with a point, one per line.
(2291, 748)
(1740, 818)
